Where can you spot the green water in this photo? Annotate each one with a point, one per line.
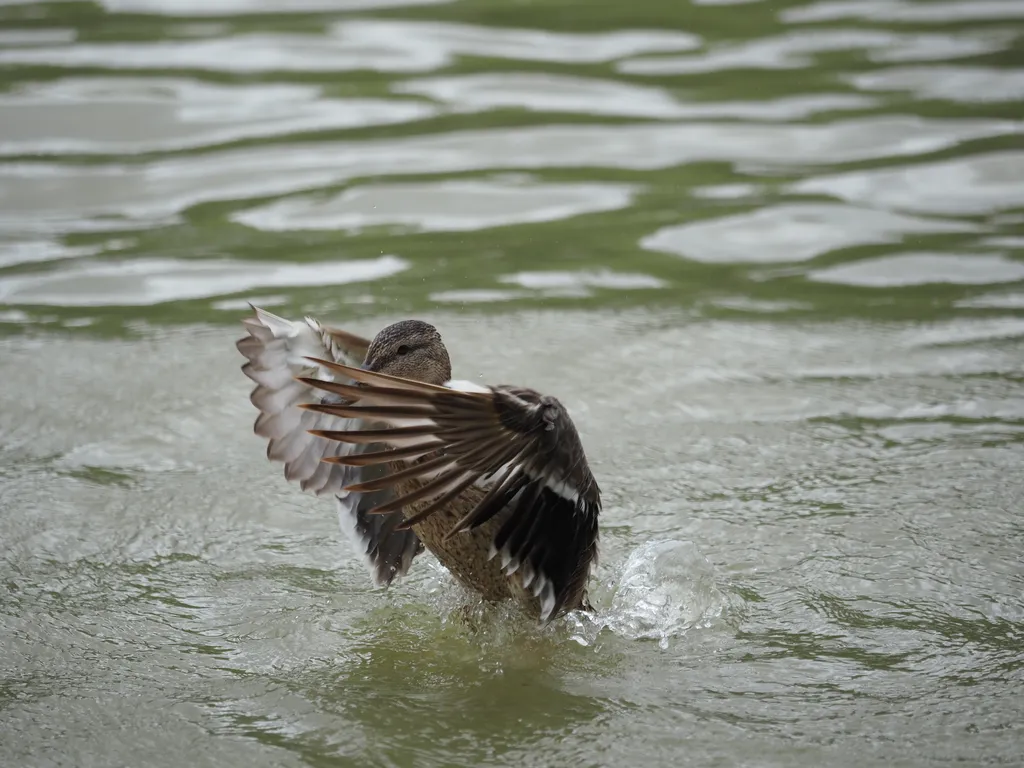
(770, 254)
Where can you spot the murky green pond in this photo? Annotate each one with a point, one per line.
(770, 254)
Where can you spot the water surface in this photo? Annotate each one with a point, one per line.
(771, 255)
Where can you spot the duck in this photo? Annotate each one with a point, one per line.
(492, 480)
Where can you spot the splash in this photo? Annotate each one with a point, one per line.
(666, 588)
(662, 590)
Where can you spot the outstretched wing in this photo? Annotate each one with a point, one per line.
(278, 352)
(520, 445)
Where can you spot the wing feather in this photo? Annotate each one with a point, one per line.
(278, 352)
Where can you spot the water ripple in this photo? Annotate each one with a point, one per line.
(445, 206)
(379, 45)
(768, 256)
(127, 115)
(154, 281)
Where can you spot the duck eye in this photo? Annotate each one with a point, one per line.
(403, 350)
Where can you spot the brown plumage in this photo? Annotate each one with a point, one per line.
(493, 480)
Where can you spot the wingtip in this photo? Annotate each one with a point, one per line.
(261, 314)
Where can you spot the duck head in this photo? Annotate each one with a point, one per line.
(411, 349)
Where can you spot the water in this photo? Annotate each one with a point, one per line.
(771, 255)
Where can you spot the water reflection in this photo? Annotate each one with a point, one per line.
(922, 269)
(942, 12)
(591, 96)
(381, 45)
(790, 233)
(50, 197)
(126, 115)
(456, 707)
(797, 49)
(982, 184)
(968, 85)
(154, 281)
(444, 206)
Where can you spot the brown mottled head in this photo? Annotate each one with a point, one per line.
(411, 349)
